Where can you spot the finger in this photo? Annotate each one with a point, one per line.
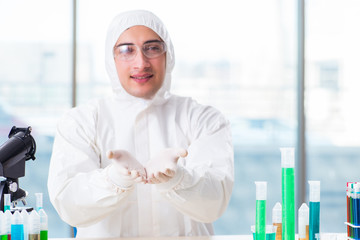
(110, 154)
(139, 179)
(134, 173)
(182, 152)
(179, 152)
(162, 178)
(169, 172)
(153, 179)
(124, 171)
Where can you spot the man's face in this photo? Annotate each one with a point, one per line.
(141, 76)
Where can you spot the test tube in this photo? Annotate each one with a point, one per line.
(7, 202)
(260, 221)
(25, 217)
(314, 202)
(348, 184)
(39, 201)
(3, 236)
(277, 220)
(356, 204)
(17, 226)
(7, 224)
(303, 222)
(288, 193)
(34, 226)
(43, 225)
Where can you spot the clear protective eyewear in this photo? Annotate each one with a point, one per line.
(150, 49)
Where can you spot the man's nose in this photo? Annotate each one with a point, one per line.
(141, 61)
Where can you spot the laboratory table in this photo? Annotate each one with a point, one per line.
(323, 236)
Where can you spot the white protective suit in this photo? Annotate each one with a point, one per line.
(78, 183)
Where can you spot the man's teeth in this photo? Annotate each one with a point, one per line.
(142, 77)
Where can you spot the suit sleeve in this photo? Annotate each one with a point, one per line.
(79, 188)
(202, 186)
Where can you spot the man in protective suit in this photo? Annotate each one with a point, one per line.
(141, 162)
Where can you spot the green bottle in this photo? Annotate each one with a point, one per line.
(260, 221)
(43, 225)
(288, 193)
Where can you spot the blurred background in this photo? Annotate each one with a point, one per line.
(239, 56)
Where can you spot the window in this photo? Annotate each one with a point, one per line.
(332, 95)
(35, 78)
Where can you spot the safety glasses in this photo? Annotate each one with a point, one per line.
(128, 51)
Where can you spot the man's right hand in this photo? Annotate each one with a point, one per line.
(125, 170)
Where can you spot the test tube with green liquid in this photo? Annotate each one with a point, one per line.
(3, 235)
(43, 225)
(260, 219)
(288, 193)
(314, 217)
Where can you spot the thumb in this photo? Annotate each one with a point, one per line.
(178, 152)
(115, 154)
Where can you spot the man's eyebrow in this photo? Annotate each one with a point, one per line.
(121, 44)
(149, 41)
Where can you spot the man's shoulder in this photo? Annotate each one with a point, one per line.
(190, 104)
(84, 112)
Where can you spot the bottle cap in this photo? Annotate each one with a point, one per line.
(25, 215)
(303, 220)
(34, 223)
(287, 157)
(17, 218)
(43, 220)
(314, 191)
(261, 190)
(277, 213)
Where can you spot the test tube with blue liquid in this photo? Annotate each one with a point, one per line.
(288, 193)
(7, 202)
(17, 226)
(39, 201)
(260, 219)
(314, 215)
(25, 217)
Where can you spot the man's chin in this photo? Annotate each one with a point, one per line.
(147, 95)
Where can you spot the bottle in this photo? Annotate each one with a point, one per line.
(3, 235)
(288, 193)
(303, 222)
(7, 224)
(260, 219)
(39, 201)
(25, 216)
(34, 226)
(314, 215)
(277, 220)
(43, 225)
(7, 202)
(17, 226)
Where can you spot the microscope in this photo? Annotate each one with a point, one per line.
(19, 148)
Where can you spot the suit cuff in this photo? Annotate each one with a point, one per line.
(173, 182)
